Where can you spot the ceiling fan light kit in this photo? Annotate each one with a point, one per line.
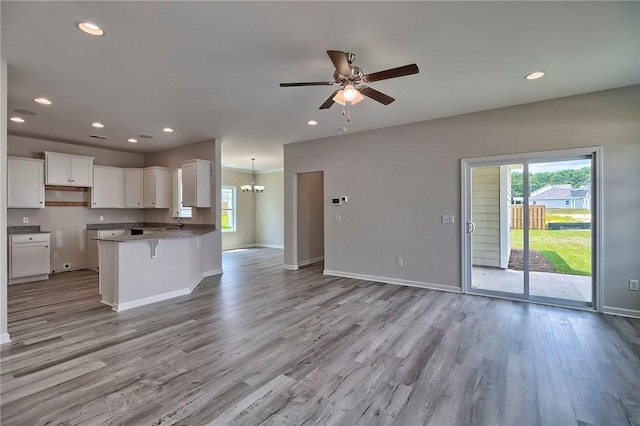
(353, 79)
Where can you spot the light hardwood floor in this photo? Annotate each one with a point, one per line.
(261, 345)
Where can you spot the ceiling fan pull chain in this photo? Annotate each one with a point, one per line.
(348, 111)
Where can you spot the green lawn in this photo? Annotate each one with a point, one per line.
(569, 250)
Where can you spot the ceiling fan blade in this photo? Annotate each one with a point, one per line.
(329, 102)
(339, 60)
(310, 83)
(376, 96)
(391, 73)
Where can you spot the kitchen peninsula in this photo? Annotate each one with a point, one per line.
(159, 264)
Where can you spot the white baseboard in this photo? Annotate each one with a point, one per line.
(241, 246)
(204, 275)
(396, 281)
(310, 261)
(119, 307)
(631, 313)
(4, 338)
(30, 279)
(275, 246)
(290, 267)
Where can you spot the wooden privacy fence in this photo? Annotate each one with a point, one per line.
(536, 217)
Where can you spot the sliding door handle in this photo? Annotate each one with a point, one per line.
(470, 227)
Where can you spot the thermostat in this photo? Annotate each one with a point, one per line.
(336, 201)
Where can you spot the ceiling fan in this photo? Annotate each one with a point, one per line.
(353, 81)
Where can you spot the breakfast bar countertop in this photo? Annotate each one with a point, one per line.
(157, 233)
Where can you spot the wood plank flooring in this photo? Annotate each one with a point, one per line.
(263, 346)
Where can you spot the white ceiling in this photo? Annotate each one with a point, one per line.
(212, 69)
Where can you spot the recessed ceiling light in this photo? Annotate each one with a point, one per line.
(534, 75)
(168, 130)
(17, 119)
(90, 28)
(24, 112)
(43, 101)
(98, 125)
(344, 129)
(132, 140)
(312, 122)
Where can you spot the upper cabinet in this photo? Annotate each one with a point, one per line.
(68, 170)
(157, 187)
(196, 183)
(25, 183)
(133, 188)
(108, 187)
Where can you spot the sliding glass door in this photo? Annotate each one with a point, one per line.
(528, 228)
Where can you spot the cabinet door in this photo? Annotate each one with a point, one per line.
(108, 187)
(25, 183)
(189, 185)
(81, 171)
(163, 189)
(29, 259)
(133, 188)
(58, 170)
(149, 179)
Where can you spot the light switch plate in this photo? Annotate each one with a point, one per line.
(447, 218)
(634, 285)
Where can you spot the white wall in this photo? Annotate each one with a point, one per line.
(68, 224)
(310, 220)
(270, 210)
(245, 233)
(400, 181)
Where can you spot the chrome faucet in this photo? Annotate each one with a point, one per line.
(176, 215)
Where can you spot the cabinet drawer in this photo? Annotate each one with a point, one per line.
(29, 238)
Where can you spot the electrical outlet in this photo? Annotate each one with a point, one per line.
(337, 218)
(66, 265)
(634, 285)
(126, 218)
(55, 256)
(25, 219)
(101, 218)
(399, 261)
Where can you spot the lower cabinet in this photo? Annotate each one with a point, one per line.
(93, 256)
(29, 257)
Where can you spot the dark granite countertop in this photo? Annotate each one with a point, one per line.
(35, 229)
(142, 225)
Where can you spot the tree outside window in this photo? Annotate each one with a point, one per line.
(228, 208)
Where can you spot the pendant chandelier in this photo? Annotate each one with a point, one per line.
(253, 187)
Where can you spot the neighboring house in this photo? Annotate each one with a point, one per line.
(491, 215)
(562, 197)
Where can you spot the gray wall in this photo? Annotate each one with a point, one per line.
(245, 233)
(4, 336)
(68, 224)
(270, 210)
(400, 180)
(310, 222)
(171, 158)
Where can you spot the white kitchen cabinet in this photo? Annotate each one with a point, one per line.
(93, 255)
(133, 188)
(68, 169)
(196, 183)
(29, 257)
(108, 187)
(25, 183)
(157, 187)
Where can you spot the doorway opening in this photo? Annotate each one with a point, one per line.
(531, 227)
(309, 218)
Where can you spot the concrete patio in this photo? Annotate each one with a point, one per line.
(561, 286)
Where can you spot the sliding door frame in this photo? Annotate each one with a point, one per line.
(596, 221)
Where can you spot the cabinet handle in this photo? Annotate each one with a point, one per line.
(30, 238)
(40, 202)
(46, 246)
